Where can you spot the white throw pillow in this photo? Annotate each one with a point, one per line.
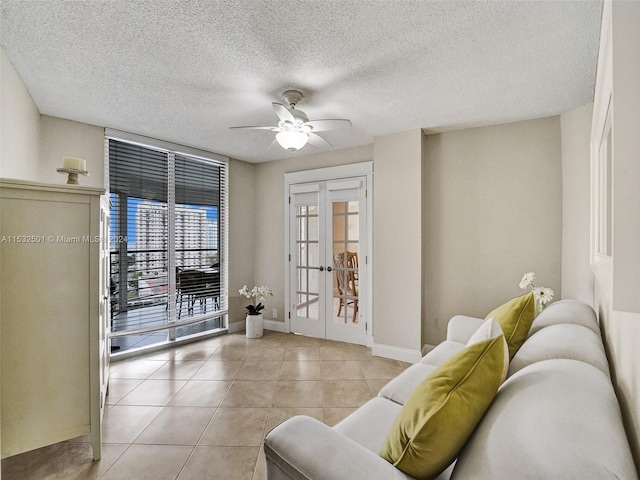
(490, 328)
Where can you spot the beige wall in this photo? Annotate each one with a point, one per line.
(268, 214)
(242, 234)
(493, 212)
(65, 138)
(621, 326)
(19, 126)
(397, 243)
(577, 279)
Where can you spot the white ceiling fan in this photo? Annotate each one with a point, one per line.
(294, 128)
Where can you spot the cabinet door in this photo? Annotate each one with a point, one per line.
(45, 288)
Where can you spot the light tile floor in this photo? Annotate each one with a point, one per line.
(201, 411)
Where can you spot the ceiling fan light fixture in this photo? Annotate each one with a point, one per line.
(292, 141)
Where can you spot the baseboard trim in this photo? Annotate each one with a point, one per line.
(273, 325)
(396, 353)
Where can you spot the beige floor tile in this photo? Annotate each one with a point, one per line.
(218, 370)
(345, 393)
(250, 393)
(140, 369)
(295, 393)
(277, 415)
(177, 370)
(153, 392)
(195, 351)
(212, 366)
(381, 368)
(177, 426)
(258, 370)
(300, 353)
(149, 462)
(220, 463)
(267, 353)
(294, 340)
(201, 393)
(236, 427)
(123, 423)
(240, 338)
(341, 370)
(333, 416)
(344, 352)
(375, 386)
(61, 461)
(303, 370)
(119, 388)
(231, 352)
(260, 472)
(161, 355)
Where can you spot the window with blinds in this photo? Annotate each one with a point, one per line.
(167, 244)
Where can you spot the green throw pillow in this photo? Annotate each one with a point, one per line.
(515, 318)
(440, 415)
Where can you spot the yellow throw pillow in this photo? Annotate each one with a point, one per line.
(440, 415)
(491, 329)
(515, 318)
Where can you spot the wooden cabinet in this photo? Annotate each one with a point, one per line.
(54, 310)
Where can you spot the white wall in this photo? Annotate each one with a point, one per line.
(493, 211)
(577, 279)
(268, 215)
(397, 245)
(65, 138)
(19, 126)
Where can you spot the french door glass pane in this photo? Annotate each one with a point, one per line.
(307, 261)
(345, 223)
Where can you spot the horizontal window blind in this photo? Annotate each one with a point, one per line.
(167, 249)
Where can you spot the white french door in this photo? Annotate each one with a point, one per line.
(328, 259)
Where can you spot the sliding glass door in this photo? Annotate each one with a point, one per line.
(167, 256)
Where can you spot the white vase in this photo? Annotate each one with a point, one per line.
(254, 326)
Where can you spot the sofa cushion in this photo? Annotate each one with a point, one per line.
(400, 388)
(566, 311)
(491, 329)
(553, 419)
(564, 340)
(442, 352)
(370, 424)
(461, 327)
(442, 412)
(515, 317)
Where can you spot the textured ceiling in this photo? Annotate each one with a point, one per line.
(185, 71)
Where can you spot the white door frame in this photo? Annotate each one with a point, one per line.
(363, 169)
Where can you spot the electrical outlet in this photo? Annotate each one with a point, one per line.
(274, 314)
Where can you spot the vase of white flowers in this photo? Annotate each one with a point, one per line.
(254, 311)
(542, 295)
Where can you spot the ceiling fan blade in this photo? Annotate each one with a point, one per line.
(318, 141)
(283, 113)
(273, 129)
(329, 124)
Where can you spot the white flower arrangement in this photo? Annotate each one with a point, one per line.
(543, 295)
(256, 293)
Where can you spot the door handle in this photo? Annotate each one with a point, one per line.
(328, 269)
(321, 268)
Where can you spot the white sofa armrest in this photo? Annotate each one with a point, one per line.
(461, 327)
(303, 448)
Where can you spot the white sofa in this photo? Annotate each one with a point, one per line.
(555, 417)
